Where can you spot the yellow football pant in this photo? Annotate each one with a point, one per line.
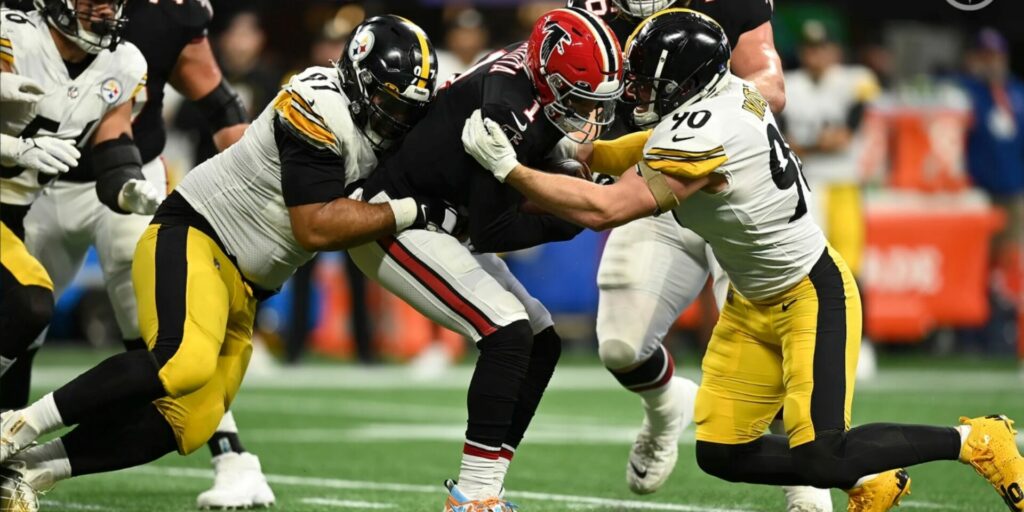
(798, 350)
(196, 314)
(845, 223)
(21, 265)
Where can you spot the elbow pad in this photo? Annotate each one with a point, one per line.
(222, 107)
(115, 163)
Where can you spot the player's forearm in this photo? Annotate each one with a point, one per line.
(772, 86)
(578, 201)
(227, 136)
(341, 224)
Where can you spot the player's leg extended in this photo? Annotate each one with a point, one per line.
(646, 279)
(26, 304)
(544, 355)
(438, 276)
(184, 295)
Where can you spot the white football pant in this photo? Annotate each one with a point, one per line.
(68, 218)
(651, 270)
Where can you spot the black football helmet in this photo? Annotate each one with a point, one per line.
(80, 22)
(388, 73)
(674, 58)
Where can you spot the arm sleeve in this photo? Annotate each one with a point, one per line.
(308, 174)
(497, 225)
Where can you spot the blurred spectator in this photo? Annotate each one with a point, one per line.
(995, 142)
(465, 41)
(825, 106)
(876, 56)
(240, 50)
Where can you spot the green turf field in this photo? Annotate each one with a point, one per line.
(336, 438)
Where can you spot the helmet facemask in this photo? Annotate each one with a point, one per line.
(580, 114)
(80, 21)
(642, 8)
(382, 113)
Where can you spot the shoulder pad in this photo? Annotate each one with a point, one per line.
(131, 67)
(313, 106)
(19, 35)
(686, 144)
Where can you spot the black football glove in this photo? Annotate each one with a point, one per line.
(433, 214)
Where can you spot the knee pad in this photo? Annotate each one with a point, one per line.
(616, 353)
(547, 348)
(27, 311)
(512, 341)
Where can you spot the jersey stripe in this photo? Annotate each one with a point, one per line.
(689, 168)
(424, 50)
(682, 154)
(6, 51)
(290, 107)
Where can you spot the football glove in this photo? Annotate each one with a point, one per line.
(139, 196)
(484, 140)
(19, 89)
(48, 155)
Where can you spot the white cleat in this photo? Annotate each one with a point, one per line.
(16, 492)
(807, 499)
(238, 482)
(654, 453)
(16, 434)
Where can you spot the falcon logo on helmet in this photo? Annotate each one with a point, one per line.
(555, 38)
(575, 63)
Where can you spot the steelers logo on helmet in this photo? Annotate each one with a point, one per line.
(111, 90)
(361, 45)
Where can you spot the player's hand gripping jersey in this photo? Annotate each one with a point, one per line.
(758, 226)
(303, 148)
(74, 102)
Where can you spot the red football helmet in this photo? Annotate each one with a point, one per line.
(576, 65)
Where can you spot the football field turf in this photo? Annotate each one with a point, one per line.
(338, 437)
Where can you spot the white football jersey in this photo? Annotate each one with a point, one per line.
(239, 190)
(71, 108)
(758, 226)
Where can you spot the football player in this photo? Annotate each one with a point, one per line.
(789, 333)
(564, 80)
(85, 81)
(68, 218)
(231, 234)
(653, 269)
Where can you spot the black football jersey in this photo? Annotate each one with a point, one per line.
(431, 161)
(160, 29)
(735, 16)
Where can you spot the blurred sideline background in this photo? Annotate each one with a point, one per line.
(923, 192)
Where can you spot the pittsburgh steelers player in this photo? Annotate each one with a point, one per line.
(67, 219)
(563, 80)
(653, 269)
(232, 233)
(789, 333)
(85, 81)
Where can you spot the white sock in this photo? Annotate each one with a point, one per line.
(965, 431)
(477, 473)
(43, 415)
(5, 364)
(51, 456)
(662, 405)
(864, 479)
(227, 424)
(504, 461)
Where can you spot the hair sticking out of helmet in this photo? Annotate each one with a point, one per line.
(642, 8)
(93, 25)
(673, 59)
(576, 65)
(388, 72)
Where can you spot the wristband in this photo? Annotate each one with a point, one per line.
(405, 211)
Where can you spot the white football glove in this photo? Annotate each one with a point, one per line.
(48, 155)
(19, 89)
(485, 141)
(139, 196)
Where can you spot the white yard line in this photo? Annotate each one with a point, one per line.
(335, 483)
(361, 505)
(71, 505)
(580, 434)
(926, 505)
